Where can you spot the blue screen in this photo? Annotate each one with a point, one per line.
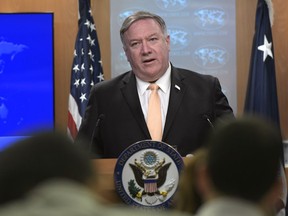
(26, 75)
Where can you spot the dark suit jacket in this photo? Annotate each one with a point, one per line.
(114, 118)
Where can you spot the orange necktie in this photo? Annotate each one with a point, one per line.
(154, 121)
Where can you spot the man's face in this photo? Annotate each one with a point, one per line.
(147, 49)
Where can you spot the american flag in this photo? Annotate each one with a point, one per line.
(86, 67)
(261, 97)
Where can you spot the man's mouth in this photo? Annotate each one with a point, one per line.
(148, 60)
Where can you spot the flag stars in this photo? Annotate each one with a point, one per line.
(83, 82)
(82, 67)
(76, 68)
(91, 55)
(100, 77)
(91, 42)
(87, 23)
(92, 27)
(266, 48)
(91, 69)
(89, 38)
(75, 53)
(77, 82)
(83, 97)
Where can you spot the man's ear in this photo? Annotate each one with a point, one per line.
(167, 39)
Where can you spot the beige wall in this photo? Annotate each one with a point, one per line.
(280, 35)
(65, 17)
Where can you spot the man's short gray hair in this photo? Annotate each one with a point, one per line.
(139, 16)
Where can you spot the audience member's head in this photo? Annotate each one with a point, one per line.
(243, 158)
(45, 156)
(190, 195)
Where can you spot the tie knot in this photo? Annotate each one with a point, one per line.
(153, 86)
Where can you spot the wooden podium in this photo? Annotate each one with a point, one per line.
(105, 170)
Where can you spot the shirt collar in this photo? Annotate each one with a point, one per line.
(164, 82)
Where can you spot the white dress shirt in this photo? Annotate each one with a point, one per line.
(164, 84)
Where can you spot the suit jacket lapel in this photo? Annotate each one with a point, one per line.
(129, 91)
(177, 92)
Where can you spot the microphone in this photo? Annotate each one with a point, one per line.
(95, 130)
(206, 117)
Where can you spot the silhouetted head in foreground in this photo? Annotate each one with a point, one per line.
(243, 158)
(42, 157)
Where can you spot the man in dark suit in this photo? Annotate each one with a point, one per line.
(117, 110)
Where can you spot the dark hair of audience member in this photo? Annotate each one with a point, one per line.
(42, 157)
(243, 158)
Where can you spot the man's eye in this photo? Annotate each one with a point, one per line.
(134, 44)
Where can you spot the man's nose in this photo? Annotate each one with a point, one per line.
(145, 47)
